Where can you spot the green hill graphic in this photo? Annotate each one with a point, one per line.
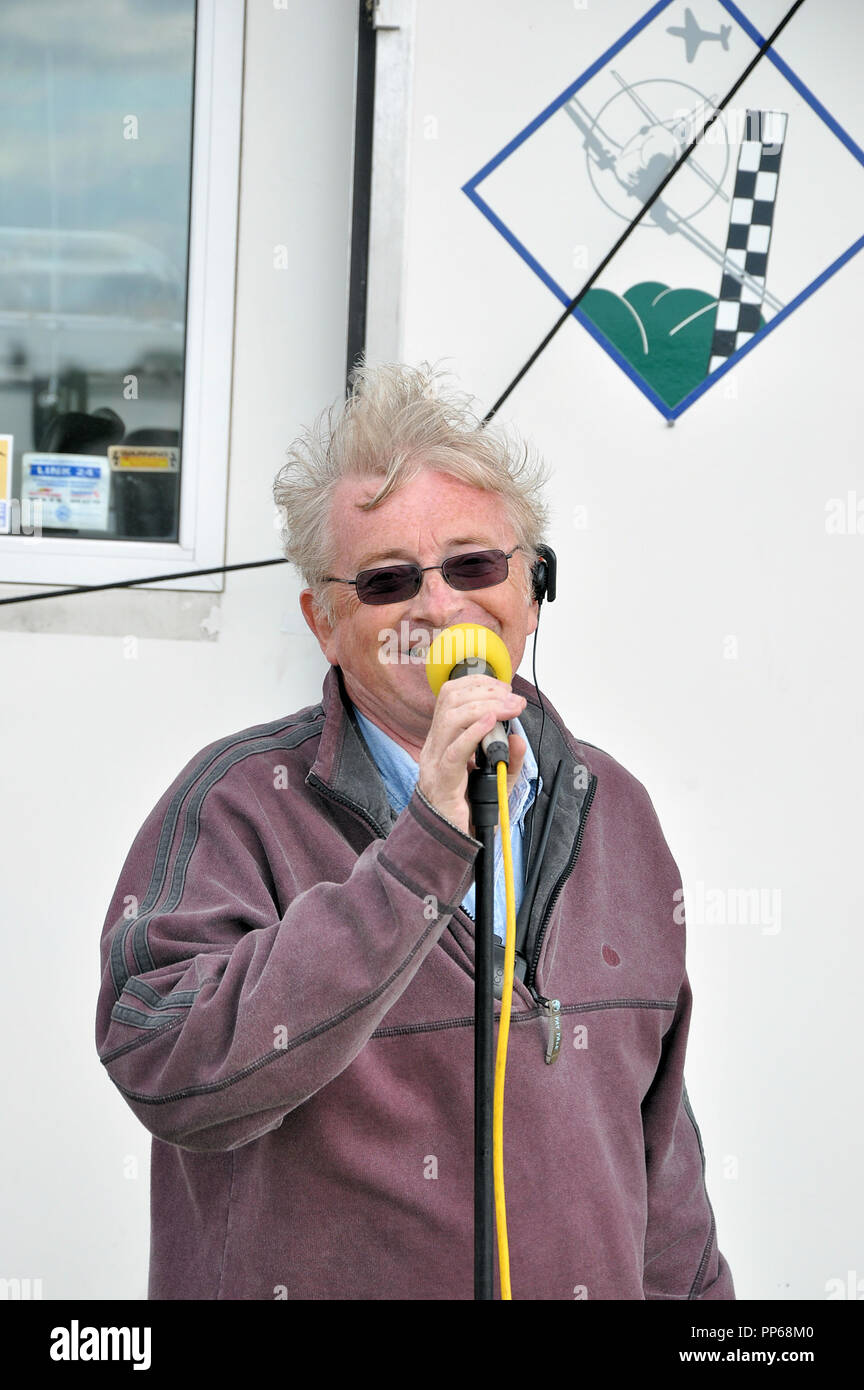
(665, 334)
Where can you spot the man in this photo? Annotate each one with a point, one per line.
(289, 1009)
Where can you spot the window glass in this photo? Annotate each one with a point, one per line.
(95, 180)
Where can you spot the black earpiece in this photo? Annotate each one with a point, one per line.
(544, 573)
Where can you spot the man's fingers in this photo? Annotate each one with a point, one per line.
(466, 710)
(452, 722)
(465, 746)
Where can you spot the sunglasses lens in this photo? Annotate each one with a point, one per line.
(390, 585)
(480, 570)
(396, 583)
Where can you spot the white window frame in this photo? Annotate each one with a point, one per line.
(209, 349)
(395, 25)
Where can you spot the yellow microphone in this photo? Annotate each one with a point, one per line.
(468, 649)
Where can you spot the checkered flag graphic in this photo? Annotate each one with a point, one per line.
(742, 288)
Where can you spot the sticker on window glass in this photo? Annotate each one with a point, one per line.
(5, 481)
(72, 489)
(143, 458)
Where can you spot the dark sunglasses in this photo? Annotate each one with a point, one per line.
(396, 583)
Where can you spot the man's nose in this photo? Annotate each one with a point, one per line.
(437, 603)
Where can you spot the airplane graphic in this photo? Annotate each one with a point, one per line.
(693, 35)
(640, 164)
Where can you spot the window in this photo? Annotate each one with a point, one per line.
(119, 133)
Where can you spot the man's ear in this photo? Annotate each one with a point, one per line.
(316, 619)
(530, 599)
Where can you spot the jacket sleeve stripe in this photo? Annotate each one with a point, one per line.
(277, 1053)
(136, 1019)
(229, 752)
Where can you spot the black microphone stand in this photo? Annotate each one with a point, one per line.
(483, 798)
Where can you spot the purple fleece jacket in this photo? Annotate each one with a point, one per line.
(287, 1006)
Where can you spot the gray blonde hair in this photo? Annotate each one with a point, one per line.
(396, 420)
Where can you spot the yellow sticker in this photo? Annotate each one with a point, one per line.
(5, 482)
(125, 456)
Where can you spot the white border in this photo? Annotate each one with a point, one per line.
(209, 348)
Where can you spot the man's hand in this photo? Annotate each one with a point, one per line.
(466, 710)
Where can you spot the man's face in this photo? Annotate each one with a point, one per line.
(423, 522)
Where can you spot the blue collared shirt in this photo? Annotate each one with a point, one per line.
(399, 773)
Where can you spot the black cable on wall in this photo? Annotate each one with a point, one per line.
(364, 114)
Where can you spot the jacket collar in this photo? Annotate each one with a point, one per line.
(343, 763)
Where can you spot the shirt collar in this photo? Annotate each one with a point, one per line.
(399, 771)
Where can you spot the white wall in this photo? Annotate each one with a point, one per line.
(95, 727)
(710, 529)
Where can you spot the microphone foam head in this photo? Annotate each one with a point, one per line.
(467, 643)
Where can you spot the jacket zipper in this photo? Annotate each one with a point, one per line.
(551, 1008)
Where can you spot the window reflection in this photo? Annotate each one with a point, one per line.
(95, 165)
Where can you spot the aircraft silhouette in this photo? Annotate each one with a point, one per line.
(693, 35)
(640, 163)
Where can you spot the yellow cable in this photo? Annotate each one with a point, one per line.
(503, 1031)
